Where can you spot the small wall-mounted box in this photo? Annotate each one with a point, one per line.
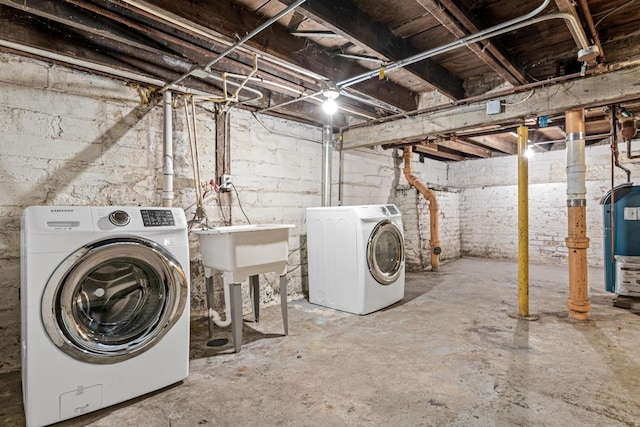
(494, 107)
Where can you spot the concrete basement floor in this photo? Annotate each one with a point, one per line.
(447, 354)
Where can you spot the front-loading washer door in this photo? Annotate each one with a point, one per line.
(385, 252)
(113, 299)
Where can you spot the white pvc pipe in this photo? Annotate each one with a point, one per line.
(167, 162)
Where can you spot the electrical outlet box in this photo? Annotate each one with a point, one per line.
(494, 107)
(225, 182)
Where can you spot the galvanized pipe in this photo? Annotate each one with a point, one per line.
(327, 154)
(523, 223)
(434, 209)
(577, 241)
(167, 157)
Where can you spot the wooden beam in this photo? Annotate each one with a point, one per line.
(343, 17)
(499, 143)
(432, 150)
(460, 24)
(464, 147)
(590, 91)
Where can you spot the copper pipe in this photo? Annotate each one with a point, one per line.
(577, 241)
(430, 196)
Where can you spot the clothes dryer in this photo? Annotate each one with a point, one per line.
(105, 306)
(355, 257)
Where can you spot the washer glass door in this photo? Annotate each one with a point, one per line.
(113, 299)
(385, 252)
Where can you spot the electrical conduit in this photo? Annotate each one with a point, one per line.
(430, 196)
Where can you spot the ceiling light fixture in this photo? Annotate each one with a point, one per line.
(588, 53)
(331, 93)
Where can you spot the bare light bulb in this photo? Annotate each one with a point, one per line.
(330, 106)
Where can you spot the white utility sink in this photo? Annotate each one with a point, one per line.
(240, 251)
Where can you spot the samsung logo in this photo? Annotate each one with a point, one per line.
(61, 210)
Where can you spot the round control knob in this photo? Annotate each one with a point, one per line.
(119, 218)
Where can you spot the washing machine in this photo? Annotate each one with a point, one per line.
(355, 257)
(105, 306)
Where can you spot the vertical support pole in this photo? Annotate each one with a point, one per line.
(167, 157)
(523, 223)
(327, 155)
(577, 241)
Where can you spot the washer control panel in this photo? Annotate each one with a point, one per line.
(157, 217)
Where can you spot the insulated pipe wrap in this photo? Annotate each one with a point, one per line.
(576, 168)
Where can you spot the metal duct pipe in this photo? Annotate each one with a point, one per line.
(167, 157)
(577, 241)
(327, 154)
(434, 209)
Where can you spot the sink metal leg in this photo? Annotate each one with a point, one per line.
(209, 295)
(236, 315)
(283, 302)
(254, 290)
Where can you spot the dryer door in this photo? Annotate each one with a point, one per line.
(385, 252)
(113, 299)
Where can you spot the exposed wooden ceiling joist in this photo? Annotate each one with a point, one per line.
(344, 18)
(460, 24)
(232, 20)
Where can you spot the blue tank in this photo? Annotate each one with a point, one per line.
(626, 228)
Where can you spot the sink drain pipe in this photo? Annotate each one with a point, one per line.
(577, 241)
(430, 195)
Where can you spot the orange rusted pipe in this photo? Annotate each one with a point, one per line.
(577, 241)
(434, 239)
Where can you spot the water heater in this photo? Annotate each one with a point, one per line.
(622, 239)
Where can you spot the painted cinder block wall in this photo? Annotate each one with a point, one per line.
(489, 210)
(73, 138)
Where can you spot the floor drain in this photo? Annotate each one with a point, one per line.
(217, 342)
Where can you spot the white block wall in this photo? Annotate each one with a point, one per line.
(489, 204)
(73, 138)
